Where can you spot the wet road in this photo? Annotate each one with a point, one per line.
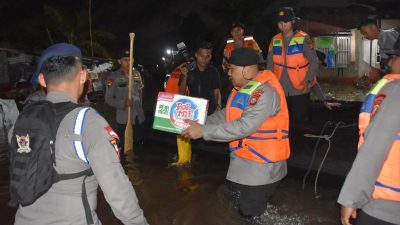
(191, 196)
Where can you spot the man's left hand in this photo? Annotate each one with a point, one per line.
(305, 86)
(194, 131)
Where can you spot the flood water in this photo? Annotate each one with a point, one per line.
(171, 195)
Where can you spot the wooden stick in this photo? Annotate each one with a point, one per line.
(128, 145)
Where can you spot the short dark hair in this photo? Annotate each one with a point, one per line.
(57, 69)
(204, 45)
(367, 22)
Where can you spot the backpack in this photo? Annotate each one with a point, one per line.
(32, 156)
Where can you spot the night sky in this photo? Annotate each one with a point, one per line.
(34, 25)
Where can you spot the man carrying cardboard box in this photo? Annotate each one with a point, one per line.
(255, 122)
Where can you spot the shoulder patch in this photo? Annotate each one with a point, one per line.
(255, 96)
(111, 132)
(114, 139)
(377, 102)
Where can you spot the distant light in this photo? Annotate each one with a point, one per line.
(157, 65)
(169, 51)
(163, 58)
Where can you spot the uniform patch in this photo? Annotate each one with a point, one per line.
(23, 144)
(111, 132)
(114, 143)
(377, 102)
(255, 96)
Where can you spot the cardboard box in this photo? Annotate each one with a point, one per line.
(173, 109)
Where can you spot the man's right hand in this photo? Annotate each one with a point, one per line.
(347, 214)
(128, 103)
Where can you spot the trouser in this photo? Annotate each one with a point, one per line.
(184, 150)
(299, 108)
(365, 219)
(252, 200)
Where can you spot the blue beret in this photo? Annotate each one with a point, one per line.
(60, 49)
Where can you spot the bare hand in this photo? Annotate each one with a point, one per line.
(194, 131)
(346, 214)
(128, 103)
(305, 83)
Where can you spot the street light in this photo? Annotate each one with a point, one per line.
(163, 59)
(169, 51)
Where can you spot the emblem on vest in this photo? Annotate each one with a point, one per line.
(277, 42)
(23, 144)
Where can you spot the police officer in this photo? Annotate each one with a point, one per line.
(117, 97)
(373, 183)
(255, 123)
(62, 73)
(292, 59)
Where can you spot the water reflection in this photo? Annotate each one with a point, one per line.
(343, 92)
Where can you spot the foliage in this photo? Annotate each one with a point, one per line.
(73, 27)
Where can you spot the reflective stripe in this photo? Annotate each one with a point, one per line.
(276, 50)
(388, 187)
(296, 41)
(378, 86)
(261, 138)
(291, 67)
(259, 155)
(368, 104)
(229, 41)
(271, 131)
(240, 100)
(248, 38)
(78, 127)
(235, 148)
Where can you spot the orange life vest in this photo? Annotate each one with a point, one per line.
(270, 142)
(387, 185)
(171, 84)
(248, 42)
(297, 64)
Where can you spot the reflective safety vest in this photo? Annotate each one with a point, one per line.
(248, 42)
(297, 64)
(387, 185)
(171, 84)
(270, 142)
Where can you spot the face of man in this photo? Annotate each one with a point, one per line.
(370, 31)
(124, 62)
(237, 33)
(285, 27)
(203, 57)
(394, 64)
(236, 75)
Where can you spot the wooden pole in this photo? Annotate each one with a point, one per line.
(128, 145)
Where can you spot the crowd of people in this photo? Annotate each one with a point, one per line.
(255, 122)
